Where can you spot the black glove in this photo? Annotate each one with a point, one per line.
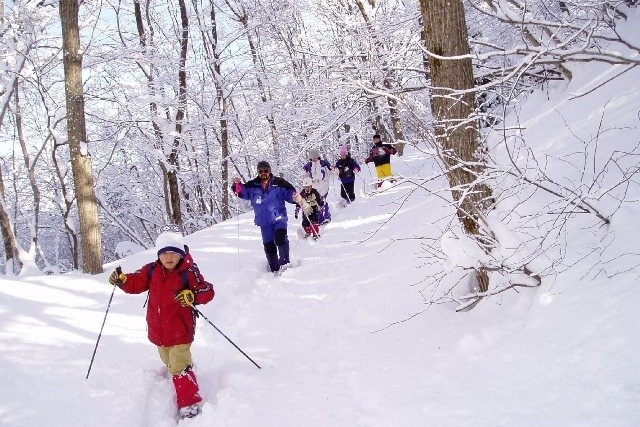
(296, 215)
(117, 278)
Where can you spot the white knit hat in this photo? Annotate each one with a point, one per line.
(314, 154)
(170, 240)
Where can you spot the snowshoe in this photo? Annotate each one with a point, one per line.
(190, 411)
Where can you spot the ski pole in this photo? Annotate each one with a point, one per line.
(311, 224)
(346, 193)
(119, 271)
(226, 337)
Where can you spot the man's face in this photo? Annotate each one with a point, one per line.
(377, 141)
(264, 174)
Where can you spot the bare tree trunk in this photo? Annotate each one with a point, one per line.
(172, 174)
(453, 104)
(91, 239)
(68, 205)
(29, 167)
(8, 238)
(223, 104)
(394, 113)
(146, 41)
(367, 9)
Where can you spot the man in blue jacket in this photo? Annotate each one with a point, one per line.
(267, 194)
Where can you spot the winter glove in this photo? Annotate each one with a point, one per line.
(117, 278)
(185, 298)
(296, 215)
(236, 187)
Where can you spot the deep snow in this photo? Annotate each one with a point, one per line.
(357, 334)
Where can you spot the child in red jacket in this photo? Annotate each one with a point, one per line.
(174, 284)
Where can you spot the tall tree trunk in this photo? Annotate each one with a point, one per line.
(394, 113)
(29, 167)
(223, 105)
(11, 251)
(91, 239)
(453, 104)
(147, 44)
(172, 174)
(368, 10)
(67, 198)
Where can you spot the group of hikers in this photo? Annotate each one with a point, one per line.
(174, 282)
(268, 194)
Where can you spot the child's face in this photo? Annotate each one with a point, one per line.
(170, 260)
(307, 188)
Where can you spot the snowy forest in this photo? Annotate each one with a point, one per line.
(117, 117)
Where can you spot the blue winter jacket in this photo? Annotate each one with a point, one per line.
(268, 203)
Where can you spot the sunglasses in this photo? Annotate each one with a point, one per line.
(264, 170)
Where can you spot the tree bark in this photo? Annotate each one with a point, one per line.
(29, 167)
(223, 104)
(10, 244)
(90, 236)
(453, 105)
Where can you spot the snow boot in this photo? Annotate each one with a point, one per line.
(308, 231)
(187, 391)
(271, 251)
(283, 251)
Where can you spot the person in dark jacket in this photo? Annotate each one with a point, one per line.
(347, 168)
(174, 284)
(380, 155)
(315, 200)
(268, 194)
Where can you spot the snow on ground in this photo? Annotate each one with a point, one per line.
(346, 338)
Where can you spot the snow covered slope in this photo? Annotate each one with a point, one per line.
(346, 338)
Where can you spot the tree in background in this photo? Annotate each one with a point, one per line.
(91, 237)
(265, 80)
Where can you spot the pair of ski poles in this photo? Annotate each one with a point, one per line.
(198, 312)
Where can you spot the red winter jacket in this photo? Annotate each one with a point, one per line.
(168, 322)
